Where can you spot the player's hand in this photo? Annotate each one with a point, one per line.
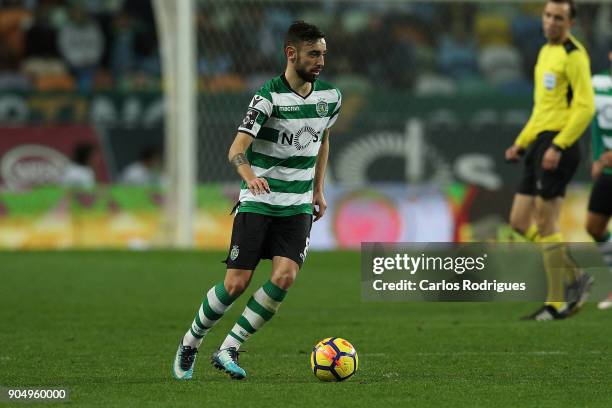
(514, 153)
(258, 185)
(606, 159)
(319, 205)
(596, 169)
(551, 158)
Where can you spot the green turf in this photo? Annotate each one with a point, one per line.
(105, 325)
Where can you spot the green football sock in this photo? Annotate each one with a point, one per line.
(215, 304)
(261, 307)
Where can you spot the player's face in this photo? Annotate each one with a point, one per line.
(310, 60)
(556, 21)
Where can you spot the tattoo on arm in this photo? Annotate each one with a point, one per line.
(239, 160)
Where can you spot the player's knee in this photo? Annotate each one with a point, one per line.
(284, 279)
(236, 286)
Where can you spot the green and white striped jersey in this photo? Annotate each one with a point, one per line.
(601, 129)
(288, 130)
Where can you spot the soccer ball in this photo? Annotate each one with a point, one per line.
(334, 359)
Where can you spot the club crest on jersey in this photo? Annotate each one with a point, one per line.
(322, 108)
(234, 252)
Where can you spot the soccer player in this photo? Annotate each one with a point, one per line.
(563, 108)
(600, 202)
(280, 151)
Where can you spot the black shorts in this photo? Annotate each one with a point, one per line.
(256, 236)
(600, 201)
(548, 184)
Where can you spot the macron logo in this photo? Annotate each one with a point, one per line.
(256, 100)
(289, 108)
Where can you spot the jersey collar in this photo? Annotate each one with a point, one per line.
(291, 89)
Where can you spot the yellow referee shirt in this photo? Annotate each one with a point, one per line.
(563, 97)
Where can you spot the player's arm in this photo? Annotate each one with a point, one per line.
(583, 101)
(237, 156)
(318, 199)
(601, 157)
(257, 114)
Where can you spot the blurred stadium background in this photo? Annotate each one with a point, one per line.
(433, 93)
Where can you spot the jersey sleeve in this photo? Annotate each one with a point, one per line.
(336, 111)
(582, 108)
(527, 135)
(258, 112)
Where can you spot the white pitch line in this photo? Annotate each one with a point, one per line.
(479, 353)
(502, 353)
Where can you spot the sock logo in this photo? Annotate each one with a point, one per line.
(197, 330)
(234, 252)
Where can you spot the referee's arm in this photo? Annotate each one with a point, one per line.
(528, 134)
(583, 103)
(522, 142)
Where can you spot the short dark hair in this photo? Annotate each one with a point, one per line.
(572, 6)
(300, 31)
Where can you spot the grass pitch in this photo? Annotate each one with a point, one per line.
(105, 326)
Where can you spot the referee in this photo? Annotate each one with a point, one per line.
(563, 108)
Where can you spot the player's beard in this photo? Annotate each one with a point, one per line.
(303, 74)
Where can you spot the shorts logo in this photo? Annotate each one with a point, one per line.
(550, 80)
(250, 118)
(322, 108)
(305, 252)
(234, 252)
